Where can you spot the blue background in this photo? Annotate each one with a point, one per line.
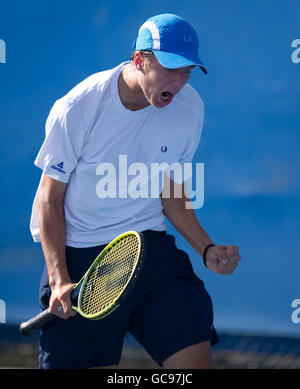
(250, 142)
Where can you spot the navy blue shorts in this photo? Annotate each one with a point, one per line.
(167, 310)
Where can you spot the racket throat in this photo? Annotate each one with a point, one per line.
(75, 294)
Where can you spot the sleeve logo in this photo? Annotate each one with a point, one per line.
(59, 167)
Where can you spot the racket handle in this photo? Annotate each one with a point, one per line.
(43, 318)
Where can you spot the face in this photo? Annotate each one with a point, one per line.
(159, 84)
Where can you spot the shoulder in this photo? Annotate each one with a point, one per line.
(89, 87)
(85, 97)
(190, 100)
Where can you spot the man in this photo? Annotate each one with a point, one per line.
(143, 110)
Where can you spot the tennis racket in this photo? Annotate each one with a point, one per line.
(106, 283)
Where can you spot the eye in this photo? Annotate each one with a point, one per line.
(168, 70)
(188, 71)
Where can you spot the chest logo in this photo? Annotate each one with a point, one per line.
(163, 149)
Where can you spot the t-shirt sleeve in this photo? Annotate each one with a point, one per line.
(63, 142)
(182, 170)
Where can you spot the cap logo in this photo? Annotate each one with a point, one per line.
(187, 38)
(151, 26)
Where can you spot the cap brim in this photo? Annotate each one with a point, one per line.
(175, 61)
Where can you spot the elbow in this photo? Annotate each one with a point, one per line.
(47, 201)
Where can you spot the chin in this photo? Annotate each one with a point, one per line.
(160, 104)
(155, 103)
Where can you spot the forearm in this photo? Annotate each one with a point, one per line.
(53, 239)
(185, 222)
(221, 259)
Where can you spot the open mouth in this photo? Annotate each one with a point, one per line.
(166, 95)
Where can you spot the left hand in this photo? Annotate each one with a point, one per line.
(223, 259)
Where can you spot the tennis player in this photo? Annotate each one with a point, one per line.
(144, 110)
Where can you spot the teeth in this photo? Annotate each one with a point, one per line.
(166, 95)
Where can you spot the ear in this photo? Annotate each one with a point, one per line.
(138, 60)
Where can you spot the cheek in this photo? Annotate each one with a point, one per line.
(159, 84)
(187, 77)
(162, 80)
(152, 87)
(154, 84)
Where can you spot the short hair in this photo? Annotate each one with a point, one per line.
(147, 55)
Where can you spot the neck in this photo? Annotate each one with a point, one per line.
(130, 92)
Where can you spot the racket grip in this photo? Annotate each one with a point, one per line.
(43, 318)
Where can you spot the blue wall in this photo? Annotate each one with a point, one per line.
(250, 143)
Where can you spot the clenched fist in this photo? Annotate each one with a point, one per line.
(223, 259)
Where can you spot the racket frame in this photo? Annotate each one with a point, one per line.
(128, 286)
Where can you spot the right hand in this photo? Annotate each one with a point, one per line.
(60, 300)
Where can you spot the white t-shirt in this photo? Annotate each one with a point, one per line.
(109, 156)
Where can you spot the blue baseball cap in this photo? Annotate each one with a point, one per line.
(173, 41)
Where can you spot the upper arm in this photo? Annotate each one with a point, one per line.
(172, 190)
(62, 146)
(51, 191)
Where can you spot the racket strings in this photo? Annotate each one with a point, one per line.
(111, 276)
